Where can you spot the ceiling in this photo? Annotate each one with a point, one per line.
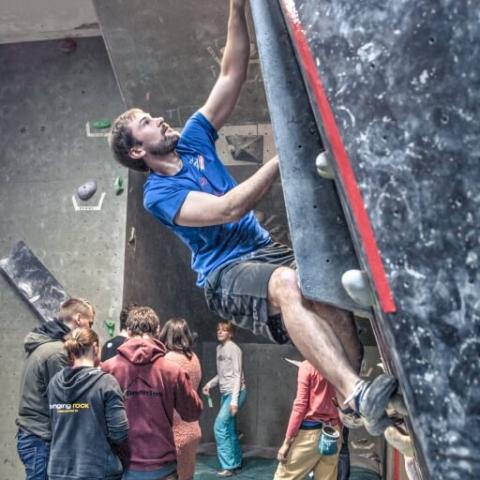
(27, 20)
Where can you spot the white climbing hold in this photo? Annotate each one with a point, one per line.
(324, 169)
(402, 442)
(356, 284)
(396, 406)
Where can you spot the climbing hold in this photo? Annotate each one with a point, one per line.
(87, 190)
(118, 186)
(324, 169)
(131, 238)
(101, 124)
(396, 406)
(110, 326)
(399, 440)
(356, 284)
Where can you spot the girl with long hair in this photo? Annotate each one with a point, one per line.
(178, 340)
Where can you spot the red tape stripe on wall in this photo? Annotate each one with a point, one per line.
(345, 170)
(396, 465)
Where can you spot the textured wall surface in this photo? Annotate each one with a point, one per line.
(46, 99)
(24, 20)
(166, 56)
(401, 79)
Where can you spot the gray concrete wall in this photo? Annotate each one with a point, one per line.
(46, 99)
(24, 20)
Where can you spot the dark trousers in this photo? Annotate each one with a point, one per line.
(344, 458)
(33, 452)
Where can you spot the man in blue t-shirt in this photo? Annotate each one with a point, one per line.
(247, 278)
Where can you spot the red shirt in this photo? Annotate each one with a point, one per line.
(153, 387)
(313, 400)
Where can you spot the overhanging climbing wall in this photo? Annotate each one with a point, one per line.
(395, 91)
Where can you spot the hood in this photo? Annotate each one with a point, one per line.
(51, 331)
(72, 382)
(142, 351)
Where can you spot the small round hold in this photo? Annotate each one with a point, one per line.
(356, 284)
(324, 169)
(403, 443)
(396, 406)
(87, 190)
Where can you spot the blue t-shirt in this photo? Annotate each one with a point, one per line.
(202, 171)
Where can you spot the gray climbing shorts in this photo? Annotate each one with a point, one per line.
(238, 291)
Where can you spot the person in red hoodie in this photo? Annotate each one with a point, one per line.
(154, 387)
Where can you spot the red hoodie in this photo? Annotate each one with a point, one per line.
(153, 388)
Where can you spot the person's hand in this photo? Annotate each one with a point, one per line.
(283, 452)
(274, 159)
(233, 410)
(206, 389)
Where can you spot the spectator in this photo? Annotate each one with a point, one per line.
(87, 414)
(45, 357)
(231, 381)
(312, 410)
(177, 338)
(153, 388)
(110, 348)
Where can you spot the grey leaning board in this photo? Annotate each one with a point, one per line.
(37, 286)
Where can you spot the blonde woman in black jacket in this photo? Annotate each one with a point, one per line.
(87, 415)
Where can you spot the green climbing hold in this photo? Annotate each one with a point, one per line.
(110, 326)
(118, 185)
(101, 124)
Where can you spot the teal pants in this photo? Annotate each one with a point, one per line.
(225, 429)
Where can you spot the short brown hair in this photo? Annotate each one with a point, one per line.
(227, 325)
(142, 320)
(80, 342)
(121, 140)
(177, 337)
(72, 306)
(124, 314)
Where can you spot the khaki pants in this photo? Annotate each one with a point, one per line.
(304, 457)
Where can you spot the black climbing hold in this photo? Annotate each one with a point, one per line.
(87, 190)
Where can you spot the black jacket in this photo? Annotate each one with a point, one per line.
(45, 357)
(88, 418)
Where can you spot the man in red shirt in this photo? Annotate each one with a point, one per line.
(153, 388)
(312, 409)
